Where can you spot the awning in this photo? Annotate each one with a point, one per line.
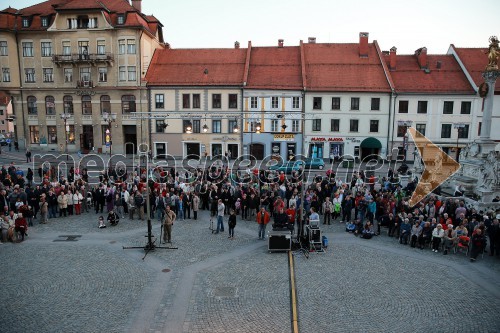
(371, 143)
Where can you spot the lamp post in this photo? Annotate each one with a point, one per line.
(459, 127)
(109, 118)
(65, 116)
(405, 124)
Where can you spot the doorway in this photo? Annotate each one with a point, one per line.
(232, 150)
(257, 151)
(130, 138)
(193, 149)
(87, 139)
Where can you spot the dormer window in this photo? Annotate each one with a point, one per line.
(121, 19)
(45, 21)
(82, 22)
(26, 22)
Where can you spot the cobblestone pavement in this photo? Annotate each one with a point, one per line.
(213, 284)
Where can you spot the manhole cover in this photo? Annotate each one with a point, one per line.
(69, 238)
(225, 292)
(165, 270)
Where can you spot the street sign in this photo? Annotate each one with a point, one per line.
(8, 140)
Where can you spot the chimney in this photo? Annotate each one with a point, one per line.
(363, 44)
(137, 5)
(421, 54)
(311, 40)
(236, 45)
(392, 58)
(280, 42)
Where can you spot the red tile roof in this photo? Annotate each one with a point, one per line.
(197, 67)
(409, 77)
(475, 61)
(9, 10)
(275, 68)
(338, 67)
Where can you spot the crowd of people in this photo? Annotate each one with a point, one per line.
(364, 203)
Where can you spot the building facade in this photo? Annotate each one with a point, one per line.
(77, 63)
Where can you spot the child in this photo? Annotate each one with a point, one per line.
(232, 224)
(101, 222)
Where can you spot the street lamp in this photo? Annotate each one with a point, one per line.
(405, 124)
(65, 117)
(189, 128)
(109, 118)
(459, 127)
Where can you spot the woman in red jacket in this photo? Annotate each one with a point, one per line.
(262, 219)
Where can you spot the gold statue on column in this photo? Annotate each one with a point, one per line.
(493, 53)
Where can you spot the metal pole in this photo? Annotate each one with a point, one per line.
(110, 138)
(66, 136)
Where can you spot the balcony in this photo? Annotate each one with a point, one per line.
(84, 84)
(76, 58)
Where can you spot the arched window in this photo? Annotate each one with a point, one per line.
(105, 104)
(50, 105)
(86, 104)
(128, 103)
(32, 109)
(68, 104)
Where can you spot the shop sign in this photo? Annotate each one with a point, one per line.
(322, 139)
(353, 140)
(284, 137)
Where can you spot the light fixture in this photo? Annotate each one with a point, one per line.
(205, 128)
(257, 127)
(284, 127)
(236, 129)
(165, 124)
(189, 127)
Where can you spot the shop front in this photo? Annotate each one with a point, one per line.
(267, 145)
(325, 147)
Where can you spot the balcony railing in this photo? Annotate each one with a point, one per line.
(83, 58)
(84, 84)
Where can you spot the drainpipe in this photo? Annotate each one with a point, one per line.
(389, 127)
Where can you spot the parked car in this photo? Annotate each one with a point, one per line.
(3, 140)
(314, 163)
(287, 167)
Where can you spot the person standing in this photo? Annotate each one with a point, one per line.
(44, 209)
(327, 210)
(168, 222)
(220, 216)
(263, 218)
(232, 223)
(196, 205)
(28, 156)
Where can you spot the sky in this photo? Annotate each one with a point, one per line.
(408, 25)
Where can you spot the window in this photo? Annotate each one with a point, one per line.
(185, 124)
(295, 126)
(463, 132)
(216, 126)
(50, 105)
(186, 101)
(335, 125)
(85, 74)
(375, 104)
(68, 75)
(3, 48)
(446, 131)
(68, 104)
(103, 74)
(479, 129)
(317, 103)
(46, 49)
(52, 134)
(274, 126)
(27, 49)
(101, 47)
(216, 101)
(71, 134)
(120, 19)
(403, 107)
(122, 76)
(274, 102)
(86, 105)
(159, 101)
(66, 48)
(131, 73)
(26, 22)
(128, 103)
(105, 104)
(32, 109)
(45, 21)
(159, 126)
(131, 46)
(316, 125)
(83, 49)
(29, 75)
(448, 107)
(231, 125)
(34, 134)
(196, 126)
(48, 75)
(253, 102)
(295, 102)
(421, 128)
(196, 101)
(401, 131)
(233, 101)
(6, 74)
(465, 108)
(121, 46)
(354, 103)
(422, 107)
(353, 125)
(335, 103)
(374, 126)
